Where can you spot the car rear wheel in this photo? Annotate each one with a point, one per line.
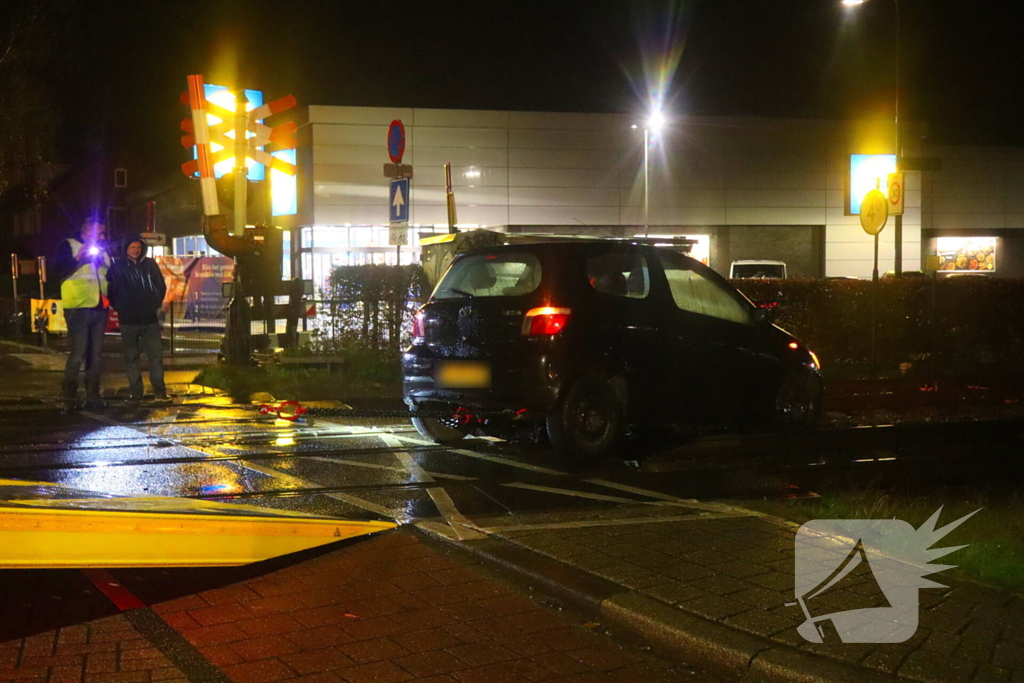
(798, 402)
(587, 422)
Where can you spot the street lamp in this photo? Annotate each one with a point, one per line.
(653, 125)
(898, 224)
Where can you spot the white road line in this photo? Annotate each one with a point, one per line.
(484, 456)
(281, 476)
(464, 529)
(413, 467)
(413, 439)
(570, 492)
(459, 523)
(609, 522)
(509, 462)
(302, 483)
(633, 489)
(378, 466)
(671, 500)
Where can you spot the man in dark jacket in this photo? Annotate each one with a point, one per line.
(137, 292)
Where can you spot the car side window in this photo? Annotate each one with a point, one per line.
(623, 275)
(693, 292)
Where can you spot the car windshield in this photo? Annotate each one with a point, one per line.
(759, 270)
(484, 275)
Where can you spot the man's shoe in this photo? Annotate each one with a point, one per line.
(95, 403)
(134, 398)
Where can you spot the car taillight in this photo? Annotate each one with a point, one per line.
(545, 320)
(417, 327)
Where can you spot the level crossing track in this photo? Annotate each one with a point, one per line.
(376, 468)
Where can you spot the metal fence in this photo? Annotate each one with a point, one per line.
(187, 331)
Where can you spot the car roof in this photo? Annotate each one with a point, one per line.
(760, 262)
(570, 245)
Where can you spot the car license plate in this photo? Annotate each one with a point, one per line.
(462, 374)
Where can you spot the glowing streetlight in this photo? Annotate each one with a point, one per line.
(653, 125)
(898, 224)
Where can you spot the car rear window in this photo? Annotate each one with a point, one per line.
(620, 275)
(482, 275)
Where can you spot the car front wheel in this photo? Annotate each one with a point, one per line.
(797, 404)
(587, 422)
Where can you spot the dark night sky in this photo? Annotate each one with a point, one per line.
(126, 62)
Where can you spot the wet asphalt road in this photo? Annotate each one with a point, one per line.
(204, 447)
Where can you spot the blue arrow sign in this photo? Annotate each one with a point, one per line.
(398, 200)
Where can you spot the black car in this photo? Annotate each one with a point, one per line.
(588, 337)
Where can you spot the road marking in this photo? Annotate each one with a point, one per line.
(344, 497)
(609, 522)
(509, 462)
(633, 489)
(665, 498)
(460, 524)
(570, 492)
(484, 456)
(464, 529)
(390, 468)
(417, 472)
(287, 478)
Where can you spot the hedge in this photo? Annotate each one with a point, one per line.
(951, 326)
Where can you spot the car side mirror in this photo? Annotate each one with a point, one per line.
(763, 315)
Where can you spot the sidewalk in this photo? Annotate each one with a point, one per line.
(387, 608)
(716, 589)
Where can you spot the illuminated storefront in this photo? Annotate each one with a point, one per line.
(321, 248)
(966, 254)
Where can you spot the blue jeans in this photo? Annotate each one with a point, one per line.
(144, 338)
(85, 330)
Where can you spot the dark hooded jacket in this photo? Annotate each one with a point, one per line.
(137, 288)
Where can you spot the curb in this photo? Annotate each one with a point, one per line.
(719, 649)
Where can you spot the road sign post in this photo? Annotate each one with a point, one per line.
(398, 190)
(874, 210)
(14, 282)
(41, 270)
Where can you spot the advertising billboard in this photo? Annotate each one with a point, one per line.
(966, 254)
(868, 172)
(194, 286)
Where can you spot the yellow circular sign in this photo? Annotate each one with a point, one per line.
(874, 210)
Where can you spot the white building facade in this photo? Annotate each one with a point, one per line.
(742, 188)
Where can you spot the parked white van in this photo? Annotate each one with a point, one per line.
(758, 269)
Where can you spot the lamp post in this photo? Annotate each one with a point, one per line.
(654, 123)
(898, 222)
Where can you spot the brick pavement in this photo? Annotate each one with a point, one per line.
(391, 607)
(106, 650)
(738, 572)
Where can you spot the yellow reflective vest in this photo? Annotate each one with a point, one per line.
(86, 287)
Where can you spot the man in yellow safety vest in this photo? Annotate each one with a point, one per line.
(81, 266)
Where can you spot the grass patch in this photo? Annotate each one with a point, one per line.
(366, 373)
(994, 537)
